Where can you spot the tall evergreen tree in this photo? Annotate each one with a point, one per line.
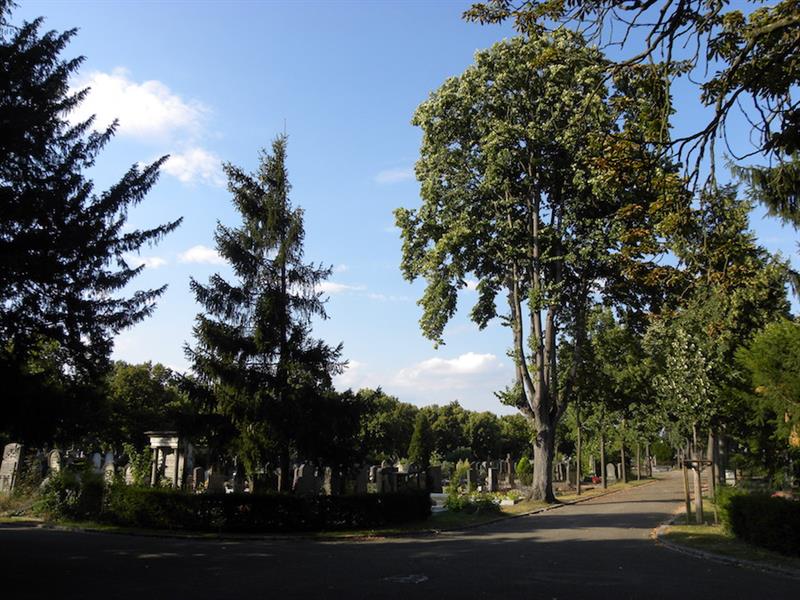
(254, 349)
(62, 245)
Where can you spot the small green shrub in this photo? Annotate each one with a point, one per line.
(472, 503)
(759, 519)
(69, 495)
(524, 470)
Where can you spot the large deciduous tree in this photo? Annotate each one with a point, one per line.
(551, 201)
(64, 248)
(253, 345)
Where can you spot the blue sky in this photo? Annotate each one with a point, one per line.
(215, 81)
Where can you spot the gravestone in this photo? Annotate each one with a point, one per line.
(54, 462)
(97, 462)
(492, 480)
(216, 481)
(108, 467)
(9, 468)
(362, 480)
(611, 472)
(373, 474)
(434, 479)
(129, 475)
(472, 479)
(387, 480)
(305, 481)
(198, 478)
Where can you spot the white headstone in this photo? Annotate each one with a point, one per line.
(9, 468)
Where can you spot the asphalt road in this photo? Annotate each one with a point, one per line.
(598, 549)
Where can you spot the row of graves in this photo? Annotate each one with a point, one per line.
(174, 464)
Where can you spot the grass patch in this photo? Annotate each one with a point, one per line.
(714, 539)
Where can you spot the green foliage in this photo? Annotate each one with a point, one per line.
(449, 429)
(472, 503)
(71, 495)
(386, 425)
(146, 397)
(140, 462)
(170, 509)
(524, 470)
(484, 435)
(742, 56)
(762, 520)
(772, 361)
(421, 445)
(253, 351)
(65, 271)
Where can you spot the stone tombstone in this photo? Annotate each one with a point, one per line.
(362, 480)
(305, 480)
(9, 468)
(328, 483)
(472, 478)
(433, 477)
(387, 480)
(129, 475)
(216, 482)
(198, 478)
(611, 472)
(97, 462)
(493, 480)
(54, 462)
(108, 467)
(373, 473)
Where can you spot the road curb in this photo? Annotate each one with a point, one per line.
(658, 536)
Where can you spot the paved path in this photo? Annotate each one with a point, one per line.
(598, 549)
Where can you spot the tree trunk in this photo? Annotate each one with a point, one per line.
(578, 453)
(638, 461)
(686, 490)
(285, 481)
(649, 459)
(698, 494)
(603, 460)
(622, 454)
(544, 449)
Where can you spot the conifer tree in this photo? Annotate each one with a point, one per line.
(63, 246)
(253, 346)
(421, 446)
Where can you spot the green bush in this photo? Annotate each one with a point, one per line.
(759, 519)
(524, 470)
(69, 495)
(168, 509)
(471, 504)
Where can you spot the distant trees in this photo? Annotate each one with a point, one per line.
(253, 349)
(64, 248)
(421, 446)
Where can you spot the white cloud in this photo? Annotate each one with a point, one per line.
(145, 110)
(385, 298)
(471, 285)
(195, 165)
(353, 375)
(397, 175)
(201, 254)
(150, 262)
(340, 268)
(464, 371)
(331, 287)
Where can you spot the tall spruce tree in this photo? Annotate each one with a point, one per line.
(62, 245)
(254, 350)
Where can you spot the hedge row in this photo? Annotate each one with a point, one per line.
(772, 523)
(167, 509)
